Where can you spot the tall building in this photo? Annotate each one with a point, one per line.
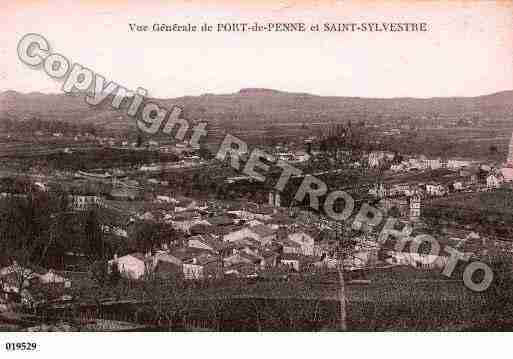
(509, 161)
(414, 207)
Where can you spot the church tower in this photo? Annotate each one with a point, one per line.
(509, 161)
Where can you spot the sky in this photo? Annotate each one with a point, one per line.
(466, 52)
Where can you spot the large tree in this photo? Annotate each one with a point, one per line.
(29, 232)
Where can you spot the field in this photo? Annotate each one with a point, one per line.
(50, 157)
(494, 206)
(488, 144)
(400, 298)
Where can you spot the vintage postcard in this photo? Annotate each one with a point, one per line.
(243, 166)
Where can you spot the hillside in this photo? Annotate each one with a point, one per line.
(264, 105)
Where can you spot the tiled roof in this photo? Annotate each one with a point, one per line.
(138, 255)
(220, 220)
(252, 258)
(285, 242)
(215, 244)
(200, 228)
(244, 268)
(222, 230)
(262, 230)
(264, 210)
(206, 259)
(188, 253)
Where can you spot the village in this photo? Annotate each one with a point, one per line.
(147, 227)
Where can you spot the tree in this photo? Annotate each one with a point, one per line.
(115, 275)
(150, 236)
(168, 300)
(498, 295)
(95, 248)
(94, 237)
(29, 231)
(139, 141)
(394, 212)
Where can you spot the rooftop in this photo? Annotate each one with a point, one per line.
(262, 230)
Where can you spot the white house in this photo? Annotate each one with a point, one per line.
(83, 203)
(415, 204)
(166, 199)
(150, 168)
(379, 190)
(248, 215)
(133, 266)
(424, 261)
(398, 167)
(254, 222)
(193, 271)
(261, 233)
(434, 189)
(414, 163)
(507, 174)
(186, 204)
(375, 159)
(458, 186)
(200, 267)
(305, 241)
(433, 164)
(457, 163)
(114, 230)
(42, 186)
(185, 220)
(492, 181)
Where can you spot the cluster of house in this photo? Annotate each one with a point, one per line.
(284, 153)
(242, 239)
(154, 145)
(377, 158)
(23, 281)
(86, 136)
(470, 179)
(217, 246)
(246, 239)
(84, 202)
(185, 162)
(423, 163)
(293, 156)
(392, 161)
(468, 243)
(470, 171)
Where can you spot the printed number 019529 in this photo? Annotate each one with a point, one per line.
(23, 346)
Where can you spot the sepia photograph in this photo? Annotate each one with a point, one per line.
(255, 166)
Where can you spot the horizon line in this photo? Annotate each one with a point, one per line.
(263, 89)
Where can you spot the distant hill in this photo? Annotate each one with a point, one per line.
(266, 105)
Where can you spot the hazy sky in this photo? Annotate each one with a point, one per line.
(467, 51)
